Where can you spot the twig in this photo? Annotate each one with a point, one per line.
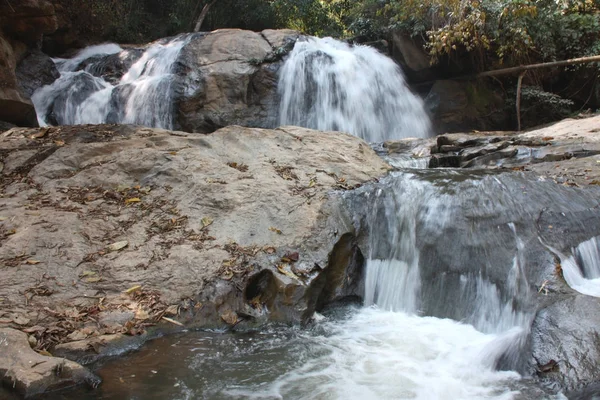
(10, 5)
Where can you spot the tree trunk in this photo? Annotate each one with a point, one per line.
(520, 69)
(519, 82)
(202, 15)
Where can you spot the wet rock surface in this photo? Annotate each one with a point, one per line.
(565, 152)
(107, 232)
(543, 183)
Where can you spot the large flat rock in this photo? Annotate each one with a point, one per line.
(107, 229)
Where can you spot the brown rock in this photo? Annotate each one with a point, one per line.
(14, 107)
(198, 232)
(31, 373)
(28, 20)
(230, 78)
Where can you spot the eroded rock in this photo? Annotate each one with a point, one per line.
(30, 373)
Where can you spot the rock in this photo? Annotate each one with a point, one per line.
(567, 332)
(566, 152)
(5, 126)
(458, 106)
(28, 20)
(34, 71)
(211, 224)
(416, 64)
(30, 373)
(14, 107)
(549, 208)
(229, 77)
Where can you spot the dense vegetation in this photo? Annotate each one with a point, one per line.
(493, 32)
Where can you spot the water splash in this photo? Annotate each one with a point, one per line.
(142, 96)
(326, 84)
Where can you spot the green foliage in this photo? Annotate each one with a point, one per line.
(539, 106)
(134, 21)
(507, 32)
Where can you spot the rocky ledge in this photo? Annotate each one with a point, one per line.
(109, 232)
(566, 152)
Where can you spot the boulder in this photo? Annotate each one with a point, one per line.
(30, 373)
(136, 225)
(28, 20)
(229, 77)
(34, 71)
(14, 106)
(460, 106)
(415, 62)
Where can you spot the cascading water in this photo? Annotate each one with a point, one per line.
(582, 269)
(326, 84)
(142, 96)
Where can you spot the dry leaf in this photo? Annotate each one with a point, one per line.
(227, 275)
(287, 273)
(87, 273)
(118, 245)
(45, 353)
(269, 250)
(133, 200)
(230, 317)
(133, 289)
(93, 279)
(142, 314)
(40, 134)
(59, 143)
(172, 321)
(273, 229)
(32, 262)
(206, 222)
(172, 310)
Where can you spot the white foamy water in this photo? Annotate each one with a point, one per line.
(378, 354)
(582, 269)
(142, 96)
(326, 84)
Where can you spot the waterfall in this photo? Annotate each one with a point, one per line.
(411, 218)
(582, 269)
(326, 84)
(82, 95)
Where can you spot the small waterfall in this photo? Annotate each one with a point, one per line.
(407, 218)
(582, 269)
(142, 96)
(326, 84)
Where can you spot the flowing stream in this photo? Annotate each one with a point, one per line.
(447, 302)
(433, 326)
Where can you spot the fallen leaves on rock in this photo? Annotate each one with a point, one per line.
(239, 166)
(133, 289)
(285, 171)
(273, 229)
(290, 257)
(282, 270)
